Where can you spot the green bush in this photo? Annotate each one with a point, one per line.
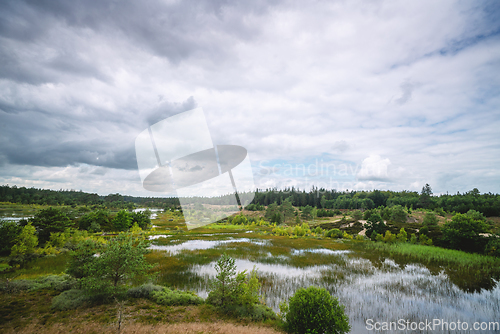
(314, 310)
(430, 219)
(493, 247)
(143, 291)
(52, 282)
(257, 312)
(334, 233)
(69, 300)
(175, 297)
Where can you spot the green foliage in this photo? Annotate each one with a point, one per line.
(169, 297)
(239, 220)
(52, 282)
(424, 240)
(357, 215)
(122, 221)
(424, 230)
(301, 231)
(333, 233)
(402, 235)
(24, 246)
(142, 219)
(307, 212)
(70, 238)
(143, 291)
(413, 239)
(375, 224)
(367, 214)
(119, 261)
(225, 286)
(398, 214)
(271, 211)
(314, 310)
(430, 219)
(254, 207)
(440, 211)
(235, 293)
(49, 221)
(462, 232)
(82, 258)
(389, 237)
(287, 211)
(9, 230)
(69, 300)
(493, 247)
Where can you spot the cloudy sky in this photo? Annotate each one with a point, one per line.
(339, 94)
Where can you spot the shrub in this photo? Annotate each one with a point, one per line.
(52, 282)
(143, 291)
(175, 297)
(398, 214)
(334, 233)
(493, 247)
(357, 215)
(359, 237)
(430, 219)
(314, 310)
(69, 300)
(389, 237)
(402, 235)
(463, 232)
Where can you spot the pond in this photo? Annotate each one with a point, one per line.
(370, 288)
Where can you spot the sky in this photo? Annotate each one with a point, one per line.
(355, 95)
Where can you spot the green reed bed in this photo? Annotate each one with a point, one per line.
(434, 254)
(470, 272)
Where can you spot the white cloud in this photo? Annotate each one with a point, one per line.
(413, 81)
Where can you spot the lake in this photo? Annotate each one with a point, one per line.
(370, 286)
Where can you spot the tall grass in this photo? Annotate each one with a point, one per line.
(432, 254)
(470, 272)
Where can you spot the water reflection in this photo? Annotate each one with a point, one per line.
(382, 290)
(201, 244)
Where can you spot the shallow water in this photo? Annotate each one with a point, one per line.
(382, 291)
(199, 244)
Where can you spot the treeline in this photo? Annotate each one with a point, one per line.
(73, 198)
(488, 203)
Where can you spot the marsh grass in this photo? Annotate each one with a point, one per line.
(47, 265)
(471, 272)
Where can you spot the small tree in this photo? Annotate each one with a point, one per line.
(307, 212)
(287, 210)
(25, 245)
(398, 214)
(357, 215)
(375, 224)
(314, 310)
(430, 219)
(224, 286)
(122, 221)
(121, 259)
(9, 231)
(49, 221)
(230, 289)
(462, 232)
(402, 235)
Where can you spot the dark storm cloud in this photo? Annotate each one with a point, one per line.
(54, 42)
(175, 31)
(42, 139)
